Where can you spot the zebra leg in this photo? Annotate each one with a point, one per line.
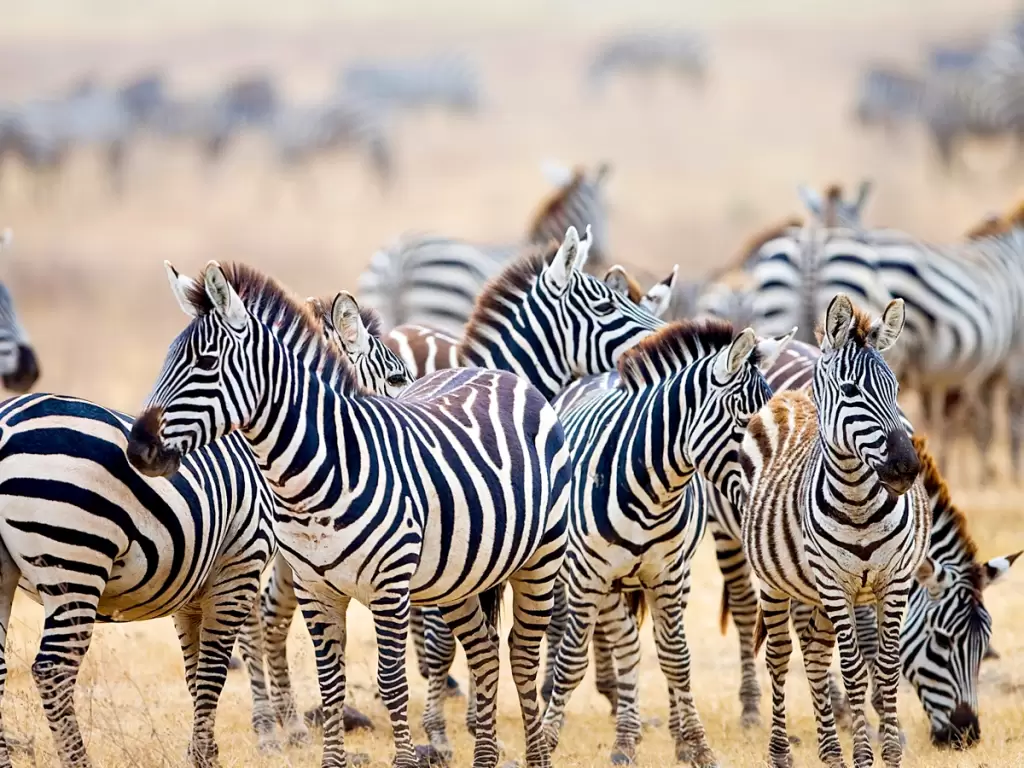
(437, 661)
(774, 616)
(982, 413)
(277, 608)
(419, 640)
(620, 627)
(739, 600)
(839, 609)
(816, 643)
(326, 625)
(9, 576)
(668, 596)
(250, 645)
(391, 623)
(606, 678)
(204, 683)
(480, 642)
(892, 606)
(531, 607)
(556, 628)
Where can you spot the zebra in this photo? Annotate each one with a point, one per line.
(93, 541)
(685, 396)
(445, 81)
(142, 96)
(369, 489)
(836, 515)
(685, 53)
(831, 209)
(19, 366)
(434, 281)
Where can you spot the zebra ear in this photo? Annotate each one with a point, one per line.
(180, 287)
(839, 321)
(768, 350)
(355, 339)
(616, 279)
(811, 199)
(887, 328)
(659, 297)
(733, 358)
(996, 568)
(862, 196)
(225, 300)
(604, 170)
(932, 576)
(561, 267)
(584, 251)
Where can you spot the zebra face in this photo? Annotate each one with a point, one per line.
(205, 388)
(855, 394)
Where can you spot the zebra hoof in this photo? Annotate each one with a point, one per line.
(299, 737)
(358, 758)
(751, 718)
(235, 663)
(354, 720)
(429, 756)
(452, 690)
(621, 758)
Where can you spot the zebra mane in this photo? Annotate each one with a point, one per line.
(554, 202)
(671, 349)
(859, 333)
(995, 225)
(284, 314)
(506, 288)
(935, 486)
(322, 306)
(756, 241)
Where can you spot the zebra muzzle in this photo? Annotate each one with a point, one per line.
(901, 467)
(146, 451)
(26, 374)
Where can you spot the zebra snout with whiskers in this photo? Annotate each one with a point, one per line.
(25, 372)
(146, 449)
(901, 466)
(962, 732)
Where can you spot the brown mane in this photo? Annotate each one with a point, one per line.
(676, 345)
(936, 487)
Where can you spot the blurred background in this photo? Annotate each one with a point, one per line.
(142, 131)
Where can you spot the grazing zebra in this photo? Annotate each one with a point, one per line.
(684, 399)
(19, 368)
(434, 281)
(379, 371)
(143, 96)
(251, 100)
(444, 81)
(685, 53)
(836, 516)
(91, 540)
(370, 490)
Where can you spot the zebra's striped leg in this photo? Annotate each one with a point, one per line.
(250, 645)
(556, 628)
(667, 594)
(839, 610)
(438, 660)
(624, 636)
(571, 663)
(326, 625)
(982, 418)
(391, 624)
(531, 609)
(480, 642)
(892, 606)
(277, 608)
(778, 648)
(419, 642)
(816, 643)
(9, 576)
(606, 679)
(738, 590)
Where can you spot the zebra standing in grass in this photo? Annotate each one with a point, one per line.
(434, 281)
(450, 82)
(684, 53)
(629, 514)
(836, 516)
(370, 489)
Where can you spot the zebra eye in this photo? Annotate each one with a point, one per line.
(206, 362)
(942, 640)
(397, 381)
(848, 389)
(605, 307)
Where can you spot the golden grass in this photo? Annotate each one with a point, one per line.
(694, 175)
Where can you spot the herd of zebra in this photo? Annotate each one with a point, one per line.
(973, 91)
(567, 440)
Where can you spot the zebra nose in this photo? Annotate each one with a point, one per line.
(964, 730)
(146, 451)
(902, 465)
(26, 374)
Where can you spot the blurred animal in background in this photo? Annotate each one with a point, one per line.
(682, 53)
(449, 82)
(19, 369)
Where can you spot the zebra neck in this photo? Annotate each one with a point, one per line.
(655, 429)
(516, 347)
(846, 487)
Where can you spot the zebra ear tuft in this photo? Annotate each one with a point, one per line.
(886, 330)
(560, 269)
(839, 320)
(226, 301)
(180, 287)
(737, 353)
(996, 568)
(355, 339)
(616, 279)
(658, 299)
(768, 350)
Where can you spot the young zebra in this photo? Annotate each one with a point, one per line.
(370, 489)
(684, 399)
(434, 281)
(19, 369)
(836, 516)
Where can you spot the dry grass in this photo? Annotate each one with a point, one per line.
(695, 174)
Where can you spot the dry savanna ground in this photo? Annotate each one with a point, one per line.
(695, 173)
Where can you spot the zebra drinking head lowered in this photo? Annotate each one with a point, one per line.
(836, 517)
(19, 369)
(371, 488)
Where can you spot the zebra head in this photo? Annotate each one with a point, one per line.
(18, 366)
(855, 393)
(357, 333)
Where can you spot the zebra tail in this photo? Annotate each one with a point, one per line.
(637, 604)
(723, 612)
(760, 631)
(490, 601)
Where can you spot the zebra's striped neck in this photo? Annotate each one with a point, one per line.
(845, 485)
